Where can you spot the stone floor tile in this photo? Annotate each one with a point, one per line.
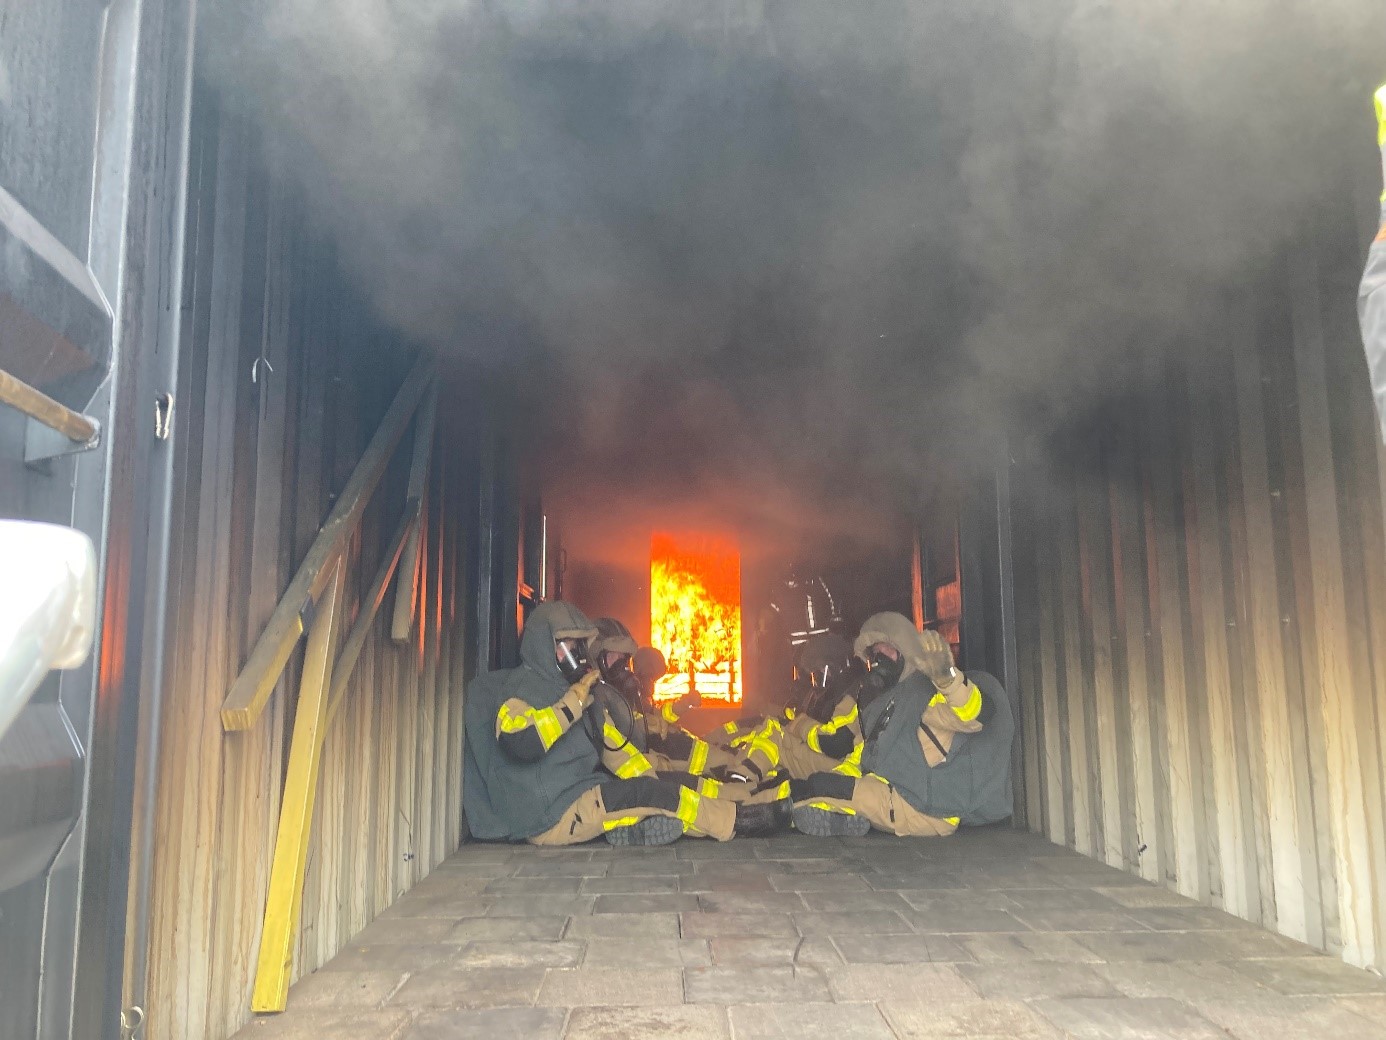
(747, 883)
(1294, 976)
(391, 957)
(1190, 981)
(655, 903)
(753, 950)
(803, 866)
(493, 1023)
(709, 926)
(676, 1022)
(620, 885)
(641, 867)
(963, 920)
(339, 1025)
(793, 845)
(754, 984)
(1060, 899)
(1251, 943)
(626, 926)
(962, 900)
(1187, 919)
(611, 987)
(536, 888)
(1025, 946)
(921, 882)
(1021, 981)
(1078, 920)
(1295, 1018)
(750, 902)
(530, 906)
(453, 987)
(512, 953)
(484, 852)
(869, 922)
(940, 983)
(856, 899)
(646, 953)
(741, 849)
(899, 949)
(344, 989)
(967, 1020)
(1151, 946)
(454, 905)
(819, 882)
(515, 928)
(567, 869)
(1146, 896)
(392, 931)
(567, 853)
(1128, 1018)
(808, 1022)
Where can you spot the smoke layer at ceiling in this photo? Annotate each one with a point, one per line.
(755, 257)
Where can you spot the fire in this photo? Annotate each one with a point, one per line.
(695, 615)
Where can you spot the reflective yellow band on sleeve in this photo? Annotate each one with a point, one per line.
(789, 714)
(972, 708)
(544, 720)
(954, 820)
(782, 792)
(812, 740)
(841, 810)
(697, 759)
(624, 821)
(668, 714)
(729, 727)
(709, 788)
(937, 699)
(687, 812)
(1381, 117)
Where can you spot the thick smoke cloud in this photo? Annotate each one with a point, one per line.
(758, 256)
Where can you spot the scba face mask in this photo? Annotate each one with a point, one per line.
(572, 659)
(885, 671)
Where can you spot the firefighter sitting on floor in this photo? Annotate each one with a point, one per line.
(674, 753)
(937, 748)
(541, 766)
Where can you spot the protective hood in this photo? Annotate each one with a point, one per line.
(613, 637)
(649, 665)
(899, 632)
(551, 621)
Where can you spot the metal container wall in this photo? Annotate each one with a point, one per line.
(1201, 617)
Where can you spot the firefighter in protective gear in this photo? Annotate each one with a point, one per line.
(822, 731)
(1371, 301)
(673, 753)
(937, 751)
(540, 765)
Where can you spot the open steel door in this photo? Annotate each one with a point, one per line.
(93, 111)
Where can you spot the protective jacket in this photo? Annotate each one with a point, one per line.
(948, 761)
(1371, 302)
(507, 798)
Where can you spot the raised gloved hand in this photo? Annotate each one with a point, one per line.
(582, 689)
(688, 702)
(937, 660)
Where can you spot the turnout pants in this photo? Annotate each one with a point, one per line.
(874, 797)
(621, 803)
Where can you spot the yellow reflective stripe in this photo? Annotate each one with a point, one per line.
(972, 708)
(832, 726)
(635, 763)
(782, 792)
(624, 821)
(789, 713)
(544, 720)
(709, 788)
(697, 761)
(954, 820)
(687, 811)
(729, 727)
(812, 740)
(668, 713)
(844, 810)
(937, 699)
(1381, 117)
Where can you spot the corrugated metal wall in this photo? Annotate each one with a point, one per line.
(284, 382)
(1201, 618)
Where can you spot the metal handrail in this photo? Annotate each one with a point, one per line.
(76, 427)
(251, 691)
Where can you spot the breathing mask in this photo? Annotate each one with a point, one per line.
(884, 670)
(572, 659)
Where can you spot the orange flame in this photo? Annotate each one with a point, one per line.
(695, 615)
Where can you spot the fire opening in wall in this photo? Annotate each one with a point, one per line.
(695, 615)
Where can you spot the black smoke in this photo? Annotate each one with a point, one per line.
(790, 264)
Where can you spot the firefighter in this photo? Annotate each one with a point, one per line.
(545, 763)
(673, 753)
(937, 744)
(822, 729)
(1371, 302)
